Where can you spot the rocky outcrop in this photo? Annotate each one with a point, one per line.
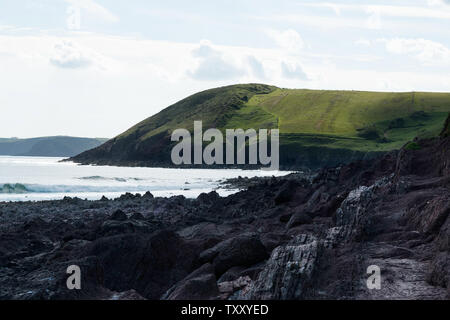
(288, 272)
(295, 237)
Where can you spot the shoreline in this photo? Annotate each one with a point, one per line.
(225, 186)
(336, 222)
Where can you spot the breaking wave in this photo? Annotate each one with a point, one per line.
(13, 188)
(19, 188)
(100, 178)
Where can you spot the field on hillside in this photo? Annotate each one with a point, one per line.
(366, 121)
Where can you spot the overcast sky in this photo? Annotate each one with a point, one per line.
(95, 68)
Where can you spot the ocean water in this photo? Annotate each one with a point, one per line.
(45, 178)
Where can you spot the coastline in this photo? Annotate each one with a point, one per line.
(333, 226)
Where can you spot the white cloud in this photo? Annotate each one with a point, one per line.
(293, 71)
(289, 40)
(148, 75)
(391, 10)
(93, 8)
(410, 11)
(70, 55)
(438, 2)
(213, 65)
(426, 51)
(256, 67)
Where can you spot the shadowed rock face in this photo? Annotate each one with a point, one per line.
(446, 131)
(294, 237)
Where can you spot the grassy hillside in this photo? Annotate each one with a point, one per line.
(317, 127)
(48, 146)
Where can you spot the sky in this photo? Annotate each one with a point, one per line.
(94, 68)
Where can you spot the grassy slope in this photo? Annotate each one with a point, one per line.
(334, 118)
(211, 106)
(310, 121)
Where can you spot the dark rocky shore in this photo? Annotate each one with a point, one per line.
(282, 238)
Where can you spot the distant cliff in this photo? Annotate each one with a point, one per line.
(59, 146)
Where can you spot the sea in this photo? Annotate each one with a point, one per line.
(47, 178)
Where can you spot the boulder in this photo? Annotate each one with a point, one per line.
(242, 250)
(149, 264)
(286, 192)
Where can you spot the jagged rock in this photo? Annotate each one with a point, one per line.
(446, 130)
(287, 272)
(137, 216)
(150, 264)
(286, 192)
(113, 227)
(439, 274)
(297, 219)
(118, 215)
(227, 288)
(352, 216)
(243, 250)
(203, 287)
(198, 283)
(129, 196)
(391, 212)
(208, 197)
(126, 295)
(285, 217)
(438, 209)
(147, 195)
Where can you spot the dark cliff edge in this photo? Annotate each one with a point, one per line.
(293, 237)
